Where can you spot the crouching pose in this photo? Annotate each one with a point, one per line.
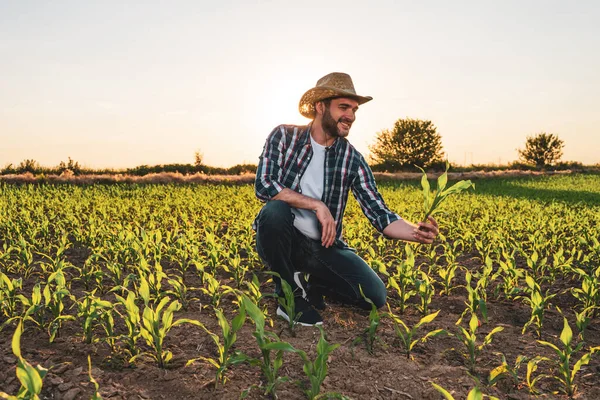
(304, 176)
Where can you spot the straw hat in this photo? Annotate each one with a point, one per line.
(335, 84)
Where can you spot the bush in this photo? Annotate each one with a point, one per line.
(411, 142)
(542, 150)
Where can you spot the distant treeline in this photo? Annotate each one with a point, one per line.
(73, 168)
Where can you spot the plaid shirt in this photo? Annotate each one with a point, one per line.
(286, 155)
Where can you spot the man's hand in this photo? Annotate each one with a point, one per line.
(426, 231)
(327, 223)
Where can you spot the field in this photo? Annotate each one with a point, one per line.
(160, 286)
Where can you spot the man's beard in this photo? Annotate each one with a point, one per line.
(329, 125)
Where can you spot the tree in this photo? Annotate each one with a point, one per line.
(542, 149)
(411, 142)
(198, 158)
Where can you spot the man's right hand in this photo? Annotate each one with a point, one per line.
(327, 224)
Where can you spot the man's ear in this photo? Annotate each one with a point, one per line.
(319, 107)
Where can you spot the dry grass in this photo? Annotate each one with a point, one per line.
(178, 178)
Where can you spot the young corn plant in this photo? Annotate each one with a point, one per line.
(226, 357)
(214, 290)
(425, 290)
(406, 335)
(510, 275)
(469, 339)
(589, 293)
(155, 326)
(96, 395)
(369, 335)
(268, 343)
(506, 370)
(433, 200)
(538, 303)
(91, 310)
(31, 377)
(447, 275)
(9, 289)
(55, 292)
(476, 299)
(474, 394)
(288, 303)
(316, 370)
(566, 373)
(180, 291)
(531, 381)
(131, 317)
(403, 280)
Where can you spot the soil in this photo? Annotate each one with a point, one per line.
(353, 372)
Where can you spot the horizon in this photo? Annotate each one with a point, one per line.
(118, 85)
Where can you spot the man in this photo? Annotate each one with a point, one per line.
(304, 175)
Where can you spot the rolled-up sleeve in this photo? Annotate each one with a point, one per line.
(269, 172)
(365, 191)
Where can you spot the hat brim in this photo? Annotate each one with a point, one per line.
(314, 95)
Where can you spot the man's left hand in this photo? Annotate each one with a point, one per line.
(426, 232)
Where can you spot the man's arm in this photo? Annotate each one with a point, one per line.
(298, 200)
(422, 233)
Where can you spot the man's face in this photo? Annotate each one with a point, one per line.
(337, 119)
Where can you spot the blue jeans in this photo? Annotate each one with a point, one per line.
(336, 271)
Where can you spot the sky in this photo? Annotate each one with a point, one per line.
(116, 84)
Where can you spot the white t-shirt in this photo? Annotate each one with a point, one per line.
(311, 185)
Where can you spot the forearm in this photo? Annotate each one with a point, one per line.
(401, 229)
(298, 200)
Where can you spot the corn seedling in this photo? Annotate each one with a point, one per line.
(407, 335)
(566, 373)
(506, 370)
(316, 370)
(369, 335)
(425, 290)
(268, 342)
(538, 303)
(474, 394)
(30, 377)
(469, 339)
(226, 358)
(96, 395)
(476, 301)
(91, 310)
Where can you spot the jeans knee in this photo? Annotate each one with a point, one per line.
(377, 293)
(275, 214)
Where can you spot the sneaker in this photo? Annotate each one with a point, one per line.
(309, 316)
(309, 292)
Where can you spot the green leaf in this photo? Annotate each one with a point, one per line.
(283, 346)
(475, 394)
(427, 319)
(584, 360)
(442, 181)
(443, 391)
(567, 334)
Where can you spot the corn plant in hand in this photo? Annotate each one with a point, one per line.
(567, 370)
(433, 200)
(30, 377)
(226, 357)
(469, 339)
(406, 335)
